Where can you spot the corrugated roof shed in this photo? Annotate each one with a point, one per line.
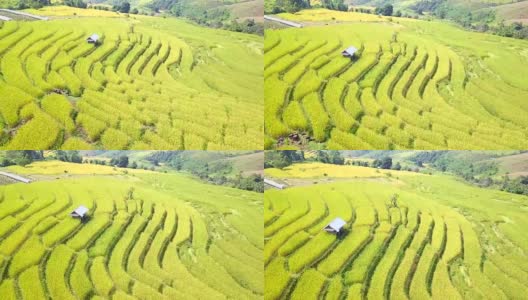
(274, 183)
(93, 38)
(349, 52)
(80, 212)
(335, 226)
(15, 177)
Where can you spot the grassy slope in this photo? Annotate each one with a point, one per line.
(216, 66)
(247, 162)
(515, 165)
(490, 221)
(252, 9)
(222, 218)
(513, 12)
(476, 57)
(511, 162)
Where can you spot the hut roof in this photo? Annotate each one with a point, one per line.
(274, 183)
(94, 37)
(336, 225)
(80, 211)
(350, 51)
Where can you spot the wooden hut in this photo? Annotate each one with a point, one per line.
(80, 212)
(349, 52)
(336, 226)
(274, 184)
(93, 39)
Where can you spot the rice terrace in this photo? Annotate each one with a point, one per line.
(407, 235)
(86, 231)
(89, 79)
(411, 84)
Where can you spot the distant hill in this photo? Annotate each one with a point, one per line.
(507, 10)
(513, 12)
(240, 9)
(496, 163)
(253, 9)
(516, 165)
(227, 163)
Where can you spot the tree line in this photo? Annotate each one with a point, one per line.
(219, 173)
(292, 6)
(472, 169)
(283, 159)
(201, 13)
(481, 20)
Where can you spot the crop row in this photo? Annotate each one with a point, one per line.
(385, 98)
(117, 252)
(385, 252)
(158, 111)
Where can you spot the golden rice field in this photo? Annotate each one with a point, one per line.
(318, 170)
(443, 239)
(149, 236)
(53, 167)
(413, 85)
(151, 83)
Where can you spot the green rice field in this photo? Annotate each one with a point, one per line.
(149, 236)
(440, 239)
(150, 83)
(412, 85)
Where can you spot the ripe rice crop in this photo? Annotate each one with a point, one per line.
(145, 85)
(431, 249)
(176, 231)
(403, 89)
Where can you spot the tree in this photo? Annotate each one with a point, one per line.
(334, 5)
(291, 6)
(75, 3)
(278, 159)
(122, 161)
(397, 166)
(322, 156)
(386, 163)
(76, 157)
(385, 10)
(123, 7)
(134, 165)
(336, 158)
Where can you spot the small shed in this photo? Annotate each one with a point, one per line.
(274, 184)
(93, 39)
(80, 212)
(349, 52)
(335, 226)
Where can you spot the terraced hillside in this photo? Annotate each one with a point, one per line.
(151, 83)
(441, 239)
(413, 85)
(150, 236)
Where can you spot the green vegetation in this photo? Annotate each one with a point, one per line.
(149, 235)
(412, 85)
(406, 237)
(291, 6)
(282, 159)
(149, 83)
(238, 169)
(482, 18)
